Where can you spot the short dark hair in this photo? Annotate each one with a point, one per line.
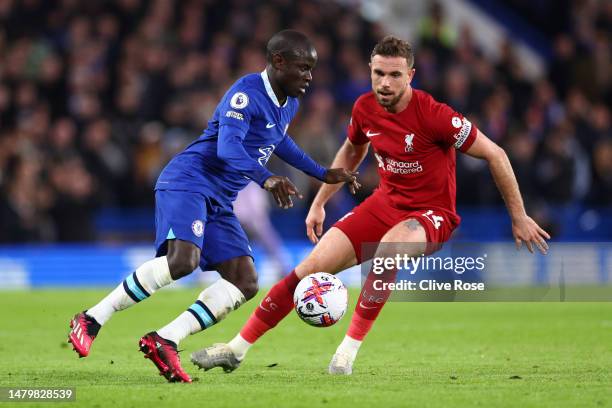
(391, 46)
(288, 43)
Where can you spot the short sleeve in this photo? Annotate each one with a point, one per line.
(451, 128)
(237, 108)
(355, 132)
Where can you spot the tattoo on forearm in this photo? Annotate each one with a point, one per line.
(413, 224)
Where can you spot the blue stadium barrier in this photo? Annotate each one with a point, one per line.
(37, 266)
(106, 265)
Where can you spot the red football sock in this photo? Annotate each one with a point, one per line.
(369, 305)
(273, 308)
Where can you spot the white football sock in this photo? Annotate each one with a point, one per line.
(239, 346)
(181, 327)
(148, 278)
(213, 304)
(349, 346)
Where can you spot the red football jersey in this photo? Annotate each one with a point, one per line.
(415, 149)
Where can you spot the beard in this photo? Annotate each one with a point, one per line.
(389, 101)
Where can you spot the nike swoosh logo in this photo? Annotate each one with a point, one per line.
(370, 134)
(270, 125)
(366, 307)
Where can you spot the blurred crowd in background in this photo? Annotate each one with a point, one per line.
(96, 96)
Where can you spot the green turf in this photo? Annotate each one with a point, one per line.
(419, 354)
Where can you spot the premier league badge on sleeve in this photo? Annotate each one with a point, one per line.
(240, 100)
(456, 121)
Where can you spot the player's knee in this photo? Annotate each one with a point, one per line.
(309, 266)
(401, 248)
(249, 287)
(241, 273)
(183, 258)
(303, 270)
(245, 281)
(182, 263)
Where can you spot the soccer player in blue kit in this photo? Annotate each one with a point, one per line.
(195, 224)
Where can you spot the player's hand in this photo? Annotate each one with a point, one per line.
(528, 231)
(334, 176)
(314, 222)
(282, 189)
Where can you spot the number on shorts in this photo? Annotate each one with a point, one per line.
(436, 220)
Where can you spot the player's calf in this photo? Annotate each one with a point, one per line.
(212, 305)
(135, 288)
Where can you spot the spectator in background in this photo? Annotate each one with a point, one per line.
(23, 202)
(521, 149)
(74, 200)
(562, 69)
(456, 88)
(556, 167)
(148, 161)
(601, 189)
(436, 34)
(61, 142)
(105, 160)
(316, 136)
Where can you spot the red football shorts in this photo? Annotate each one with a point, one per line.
(370, 220)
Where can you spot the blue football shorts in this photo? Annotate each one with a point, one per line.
(204, 221)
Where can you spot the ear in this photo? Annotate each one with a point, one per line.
(278, 62)
(411, 75)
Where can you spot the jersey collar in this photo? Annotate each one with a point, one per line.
(270, 91)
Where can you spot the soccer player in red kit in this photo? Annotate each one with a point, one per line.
(414, 139)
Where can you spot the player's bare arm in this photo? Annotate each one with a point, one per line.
(524, 229)
(349, 157)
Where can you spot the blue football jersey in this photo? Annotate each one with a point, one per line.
(248, 117)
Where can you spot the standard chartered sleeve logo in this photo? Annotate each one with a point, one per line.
(463, 134)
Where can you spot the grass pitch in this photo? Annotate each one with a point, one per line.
(418, 354)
